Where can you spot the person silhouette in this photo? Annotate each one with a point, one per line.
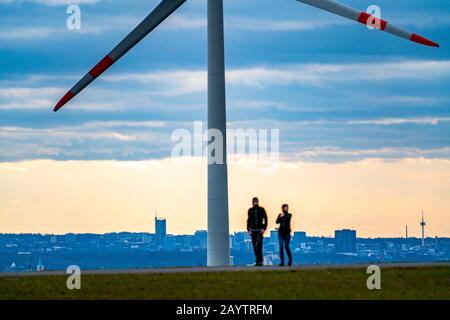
(256, 226)
(284, 233)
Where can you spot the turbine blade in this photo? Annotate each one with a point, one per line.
(367, 19)
(158, 15)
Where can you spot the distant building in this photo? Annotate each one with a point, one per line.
(241, 241)
(345, 241)
(274, 235)
(40, 266)
(201, 238)
(298, 239)
(273, 241)
(160, 231)
(184, 242)
(147, 238)
(247, 245)
(70, 237)
(170, 243)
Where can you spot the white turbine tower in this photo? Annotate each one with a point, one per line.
(218, 233)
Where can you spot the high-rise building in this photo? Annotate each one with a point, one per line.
(160, 231)
(345, 241)
(298, 238)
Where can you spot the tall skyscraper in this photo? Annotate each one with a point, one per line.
(345, 241)
(160, 231)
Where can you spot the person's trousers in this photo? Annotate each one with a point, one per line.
(257, 241)
(285, 240)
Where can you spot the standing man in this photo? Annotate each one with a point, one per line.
(256, 226)
(284, 233)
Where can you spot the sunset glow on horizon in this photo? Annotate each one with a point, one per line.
(376, 197)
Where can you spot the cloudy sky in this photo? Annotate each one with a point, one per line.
(344, 97)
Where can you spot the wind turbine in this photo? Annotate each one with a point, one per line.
(218, 234)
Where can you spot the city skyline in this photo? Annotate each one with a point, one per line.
(28, 252)
(160, 227)
(363, 118)
(35, 252)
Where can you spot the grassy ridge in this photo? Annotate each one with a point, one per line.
(396, 283)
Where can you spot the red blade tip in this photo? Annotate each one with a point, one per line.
(372, 21)
(69, 95)
(422, 40)
(104, 64)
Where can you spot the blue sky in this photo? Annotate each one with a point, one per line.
(336, 90)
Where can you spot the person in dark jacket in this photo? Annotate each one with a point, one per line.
(284, 233)
(256, 226)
